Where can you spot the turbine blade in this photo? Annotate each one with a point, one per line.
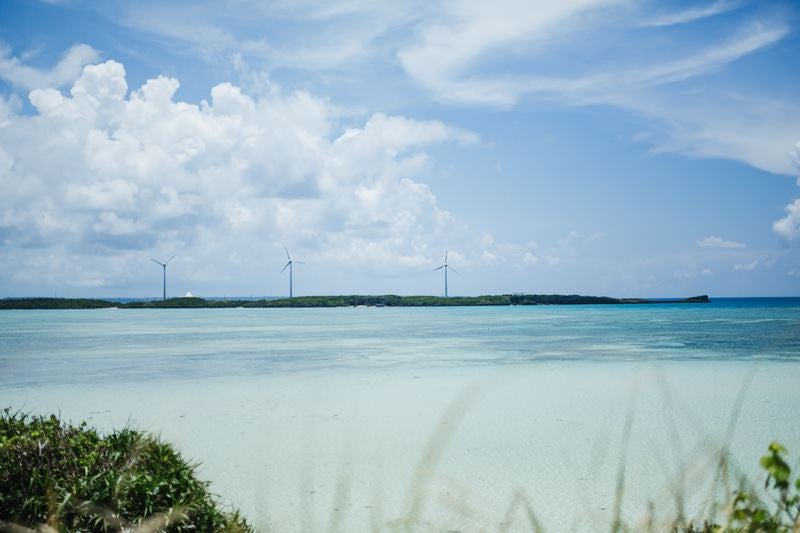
(441, 267)
(170, 259)
(452, 269)
(445, 256)
(156, 262)
(301, 262)
(286, 265)
(289, 257)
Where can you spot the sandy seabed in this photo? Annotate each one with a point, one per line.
(455, 449)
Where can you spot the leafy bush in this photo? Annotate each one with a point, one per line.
(75, 479)
(748, 513)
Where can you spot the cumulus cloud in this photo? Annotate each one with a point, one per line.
(107, 172)
(794, 157)
(67, 70)
(788, 227)
(712, 241)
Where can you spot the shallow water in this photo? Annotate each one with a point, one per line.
(124, 345)
(285, 407)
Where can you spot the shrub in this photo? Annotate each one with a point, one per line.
(74, 479)
(748, 513)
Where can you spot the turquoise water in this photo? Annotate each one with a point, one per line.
(112, 346)
(276, 404)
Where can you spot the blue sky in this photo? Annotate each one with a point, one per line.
(616, 147)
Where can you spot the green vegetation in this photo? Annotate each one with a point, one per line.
(53, 303)
(748, 513)
(59, 477)
(74, 479)
(387, 300)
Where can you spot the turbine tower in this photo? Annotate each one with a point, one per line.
(289, 264)
(445, 267)
(164, 268)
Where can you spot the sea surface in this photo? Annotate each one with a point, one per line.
(317, 419)
(123, 345)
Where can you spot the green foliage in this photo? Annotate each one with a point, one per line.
(75, 479)
(748, 513)
(176, 303)
(53, 303)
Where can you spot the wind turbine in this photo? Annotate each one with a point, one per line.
(446, 268)
(289, 264)
(164, 268)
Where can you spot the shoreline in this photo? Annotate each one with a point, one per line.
(389, 300)
(278, 447)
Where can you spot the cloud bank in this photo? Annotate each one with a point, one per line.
(102, 175)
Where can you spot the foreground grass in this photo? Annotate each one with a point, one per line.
(72, 479)
(60, 477)
(746, 512)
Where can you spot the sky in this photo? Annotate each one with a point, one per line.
(605, 147)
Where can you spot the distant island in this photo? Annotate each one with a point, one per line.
(387, 300)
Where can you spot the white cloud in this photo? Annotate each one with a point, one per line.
(452, 48)
(794, 157)
(788, 227)
(693, 14)
(107, 172)
(445, 57)
(447, 48)
(529, 259)
(746, 267)
(452, 58)
(712, 241)
(332, 35)
(67, 70)
(750, 39)
(701, 125)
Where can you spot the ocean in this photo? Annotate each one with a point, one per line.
(124, 345)
(281, 405)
